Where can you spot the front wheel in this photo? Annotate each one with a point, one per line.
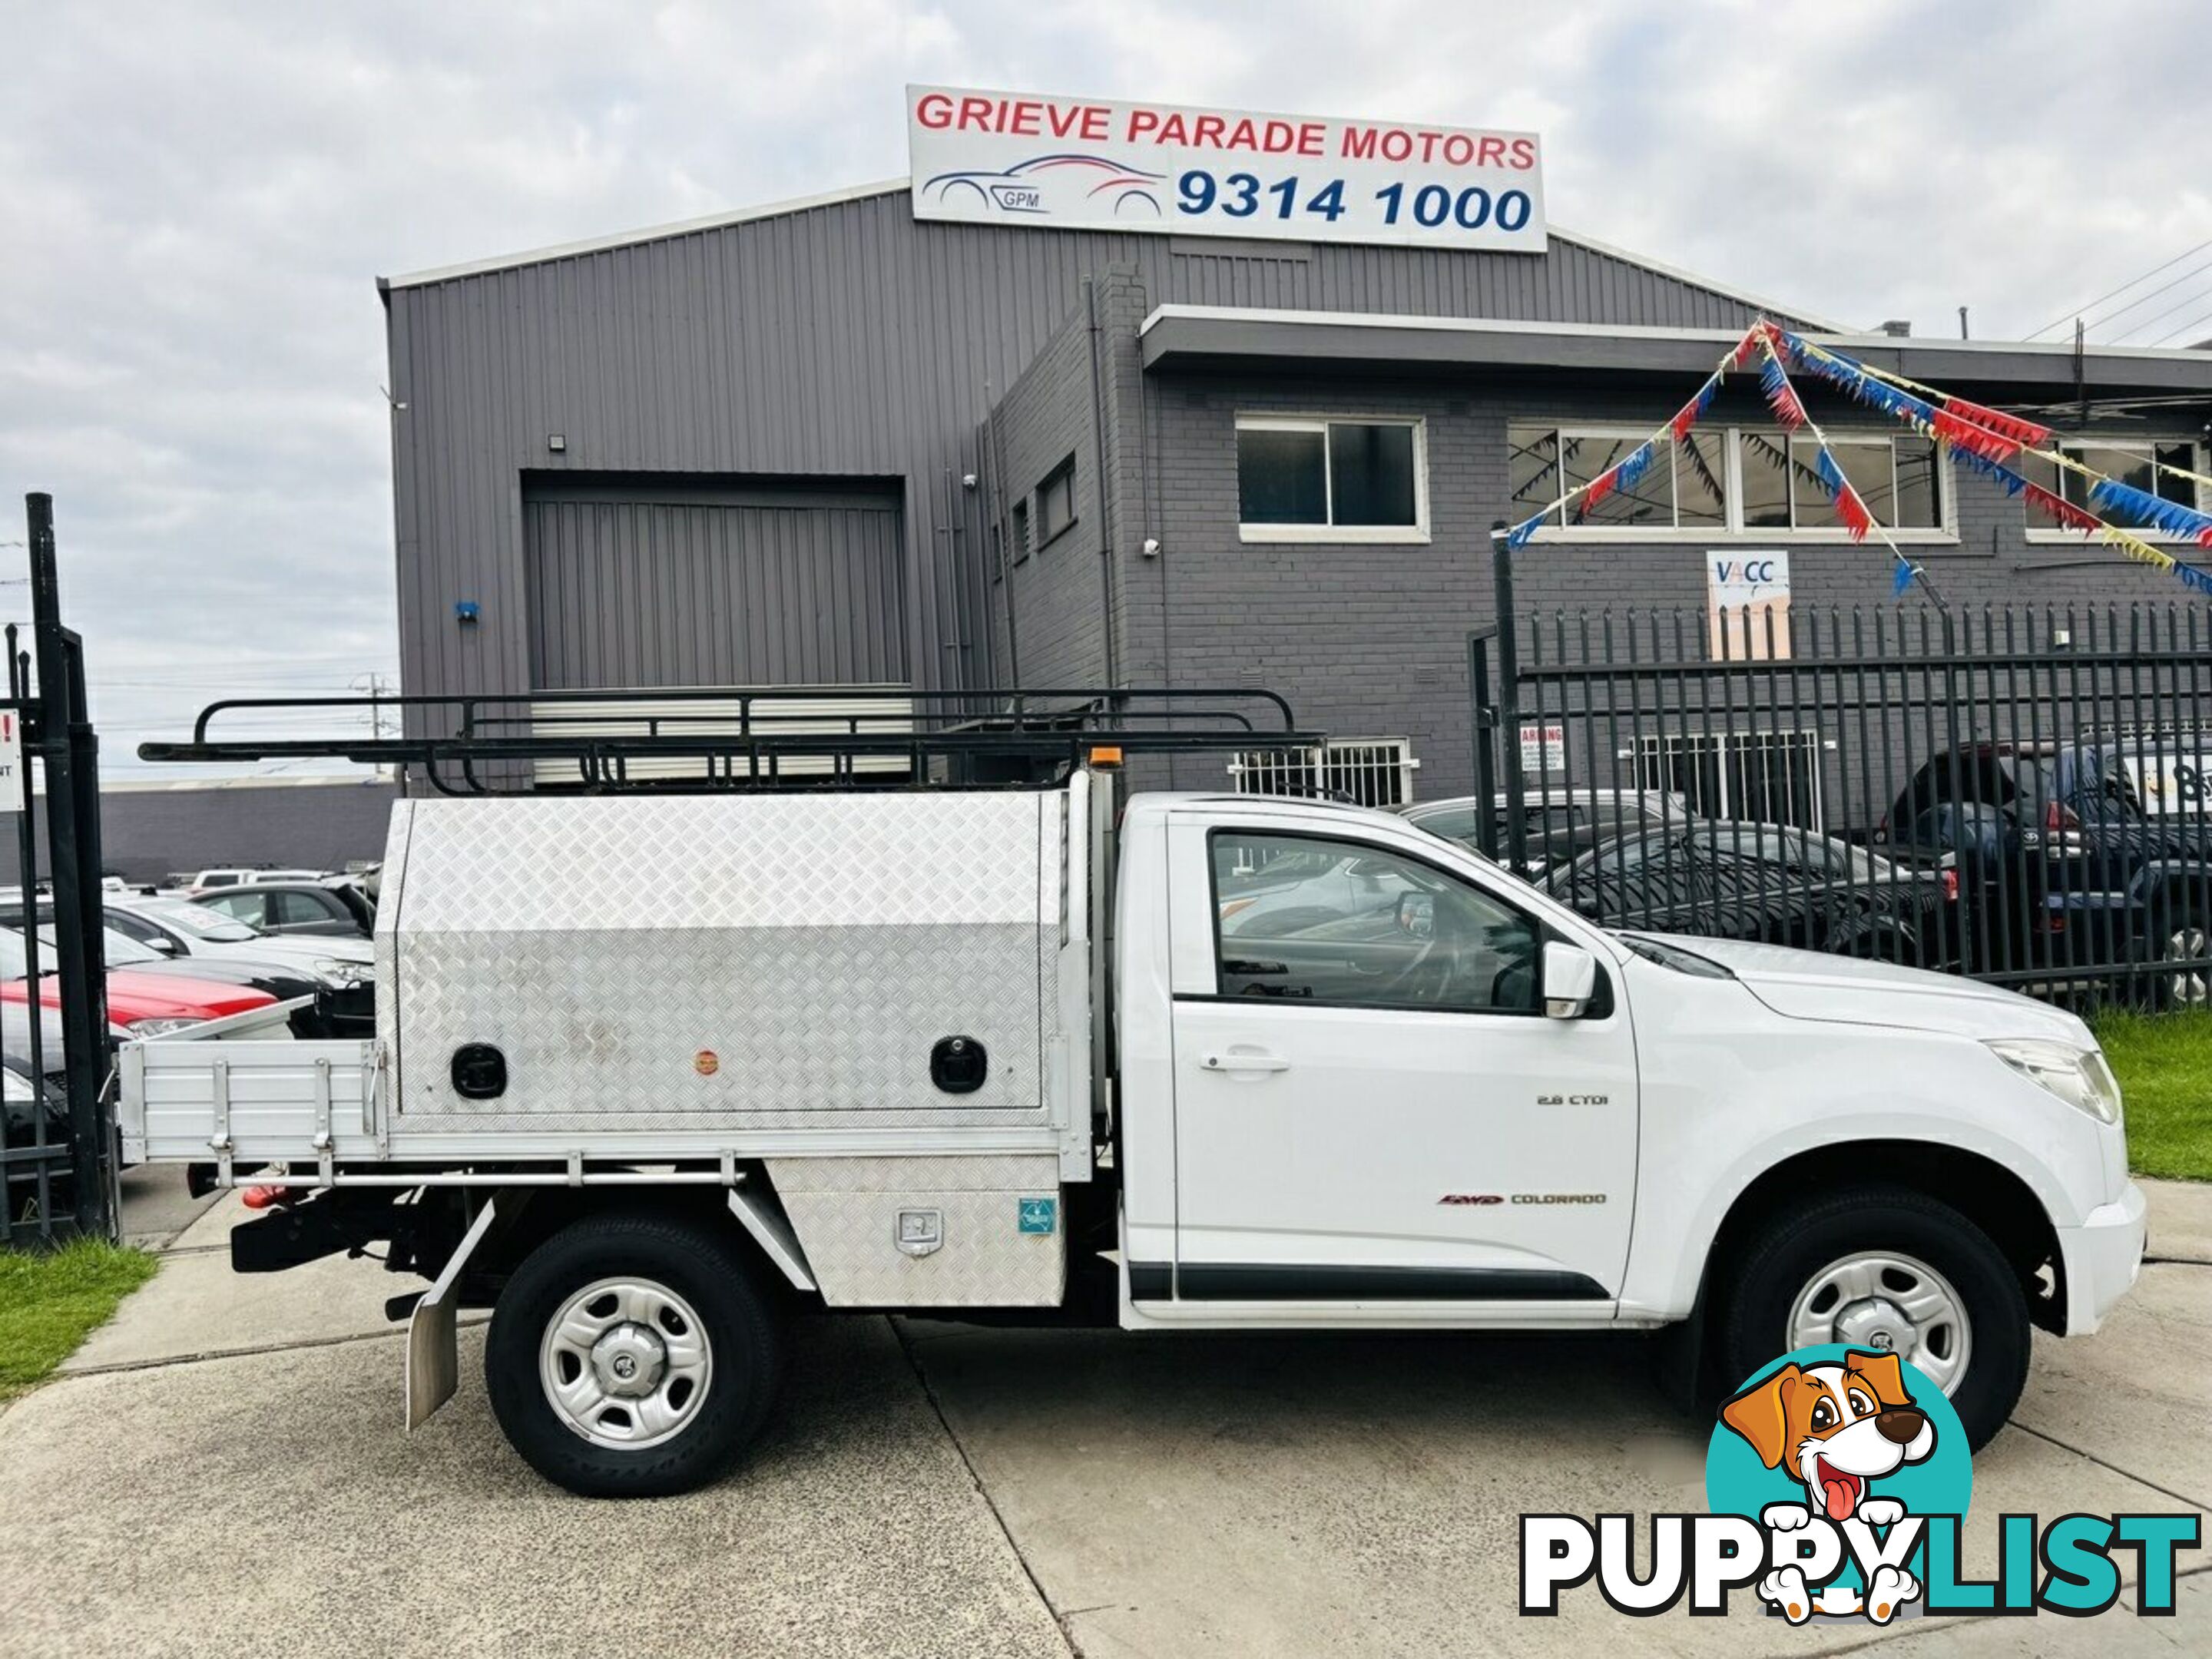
(1886, 1269)
(631, 1356)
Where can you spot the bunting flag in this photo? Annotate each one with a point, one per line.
(2053, 506)
(1983, 439)
(1849, 507)
(1693, 411)
(2026, 433)
(1781, 396)
(2172, 517)
(1629, 470)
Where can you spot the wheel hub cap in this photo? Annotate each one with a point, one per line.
(625, 1363)
(1880, 1324)
(1885, 1302)
(628, 1360)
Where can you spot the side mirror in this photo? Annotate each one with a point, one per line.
(1417, 915)
(1570, 980)
(162, 945)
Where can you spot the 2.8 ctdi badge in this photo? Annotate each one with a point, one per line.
(1839, 1480)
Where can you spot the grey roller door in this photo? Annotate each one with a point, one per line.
(651, 585)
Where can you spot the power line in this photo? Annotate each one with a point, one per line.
(2075, 311)
(2197, 270)
(2196, 322)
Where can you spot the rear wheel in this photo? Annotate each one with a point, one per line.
(1885, 1269)
(631, 1356)
(2185, 964)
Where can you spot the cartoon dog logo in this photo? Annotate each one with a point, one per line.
(1837, 1428)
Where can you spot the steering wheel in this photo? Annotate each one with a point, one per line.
(1427, 977)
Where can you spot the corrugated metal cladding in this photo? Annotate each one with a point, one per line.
(634, 584)
(839, 340)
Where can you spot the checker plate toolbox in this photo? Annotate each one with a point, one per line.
(859, 966)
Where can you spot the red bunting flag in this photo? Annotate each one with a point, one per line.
(2060, 511)
(1599, 488)
(2021, 432)
(1987, 442)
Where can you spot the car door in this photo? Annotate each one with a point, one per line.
(1371, 1109)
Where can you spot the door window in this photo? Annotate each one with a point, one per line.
(297, 909)
(1311, 920)
(241, 905)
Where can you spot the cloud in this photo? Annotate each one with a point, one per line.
(197, 198)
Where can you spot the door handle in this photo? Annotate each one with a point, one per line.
(1246, 1063)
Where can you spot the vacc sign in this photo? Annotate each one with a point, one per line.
(1093, 164)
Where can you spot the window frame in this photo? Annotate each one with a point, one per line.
(1047, 534)
(2058, 535)
(1017, 528)
(1413, 535)
(1945, 534)
(1541, 931)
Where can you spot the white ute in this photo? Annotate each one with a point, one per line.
(654, 1071)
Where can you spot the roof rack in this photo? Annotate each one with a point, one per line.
(715, 738)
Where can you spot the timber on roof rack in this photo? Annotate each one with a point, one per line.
(717, 737)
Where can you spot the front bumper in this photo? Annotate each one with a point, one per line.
(2101, 1258)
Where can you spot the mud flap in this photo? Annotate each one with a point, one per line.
(434, 1362)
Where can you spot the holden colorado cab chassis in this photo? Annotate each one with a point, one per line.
(654, 1072)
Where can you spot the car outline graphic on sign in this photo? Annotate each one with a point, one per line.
(1025, 186)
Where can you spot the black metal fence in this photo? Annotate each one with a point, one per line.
(58, 1145)
(2018, 794)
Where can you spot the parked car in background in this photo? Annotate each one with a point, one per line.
(178, 928)
(1767, 883)
(208, 881)
(334, 907)
(2062, 871)
(1558, 827)
(139, 1005)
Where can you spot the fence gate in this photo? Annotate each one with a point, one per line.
(2020, 794)
(58, 1155)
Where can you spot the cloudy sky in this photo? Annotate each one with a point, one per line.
(198, 197)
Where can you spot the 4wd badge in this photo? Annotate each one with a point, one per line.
(1038, 1215)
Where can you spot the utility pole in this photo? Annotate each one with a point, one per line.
(378, 685)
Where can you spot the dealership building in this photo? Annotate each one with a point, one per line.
(861, 441)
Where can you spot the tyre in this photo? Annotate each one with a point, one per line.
(633, 1356)
(2182, 949)
(1884, 1267)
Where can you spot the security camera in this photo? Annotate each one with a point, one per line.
(1151, 547)
(967, 481)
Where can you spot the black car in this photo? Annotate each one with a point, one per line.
(2064, 872)
(1767, 883)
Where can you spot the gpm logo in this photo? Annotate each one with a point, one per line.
(1840, 1481)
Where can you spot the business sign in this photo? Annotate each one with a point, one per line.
(1007, 158)
(1747, 604)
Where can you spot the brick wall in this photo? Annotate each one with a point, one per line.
(1370, 641)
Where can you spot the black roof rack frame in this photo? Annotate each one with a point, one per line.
(804, 737)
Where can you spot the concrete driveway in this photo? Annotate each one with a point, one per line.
(221, 1471)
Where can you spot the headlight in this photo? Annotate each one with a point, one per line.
(162, 1027)
(343, 973)
(2079, 1077)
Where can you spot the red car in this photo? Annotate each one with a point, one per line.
(138, 1004)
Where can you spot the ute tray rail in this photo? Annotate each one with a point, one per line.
(753, 738)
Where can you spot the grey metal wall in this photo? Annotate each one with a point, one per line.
(641, 585)
(842, 341)
(147, 833)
